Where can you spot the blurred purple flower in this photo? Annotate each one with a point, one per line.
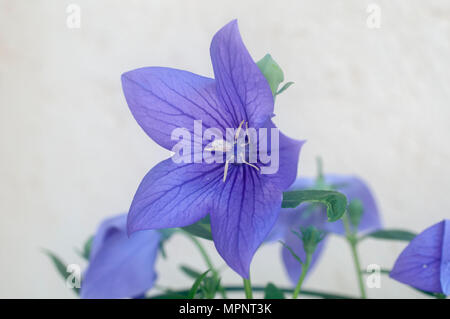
(425, 263)
(120, 266)
(315, 215)
(242, 209)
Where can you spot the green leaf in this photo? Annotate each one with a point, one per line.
(291, 251)
(272, 292)
(60, 266)
(385, 271)
(284, 87)
(431, 294)
(58, 263)
(272, 72)
(196, 285)
(192, 273)
(201, 229)
(87, 247)
(391, 234)
(313, 293)
(210, 287)
(335, 202)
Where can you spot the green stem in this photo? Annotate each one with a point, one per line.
(207, 260)
(248, 288)
(305, 267)
(202, 251)
(313, 293)
(352, 240)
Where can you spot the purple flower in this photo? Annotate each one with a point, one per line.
(243, 203)
(425, 262)
(315, 215)
(120, 266)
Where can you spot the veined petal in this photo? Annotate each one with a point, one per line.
(174, 195)
(419, 264)
(241, 86)
(119, 266)
(292, 266)
(288, 151)
(445, 259)
(244, 212)
(163, 99)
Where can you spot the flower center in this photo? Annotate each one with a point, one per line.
(236, 152)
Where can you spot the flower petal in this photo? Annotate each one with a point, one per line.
(241, 86)
(419, 264)
(163, 99)
(445, 260)
(288, 157)
(174, 195)
(244, 212)
(292, 266)
(304, 215)
(303, 183)
(120, 267)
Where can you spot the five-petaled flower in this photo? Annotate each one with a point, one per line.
(244, 204)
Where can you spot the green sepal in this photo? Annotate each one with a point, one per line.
(355, 211)
(272, 72)
(335, 202)
(311, 237)
(284, 87)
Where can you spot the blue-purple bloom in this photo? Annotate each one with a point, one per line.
(243, 208)
(315, 215)
(425, 263)
(120, 266)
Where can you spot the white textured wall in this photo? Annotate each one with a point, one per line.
(373, 102)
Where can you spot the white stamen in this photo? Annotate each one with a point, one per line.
(224, 146)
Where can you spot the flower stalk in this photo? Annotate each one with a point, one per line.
(305, 268)
(352, 240)
(248, 288)
(207, 260)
